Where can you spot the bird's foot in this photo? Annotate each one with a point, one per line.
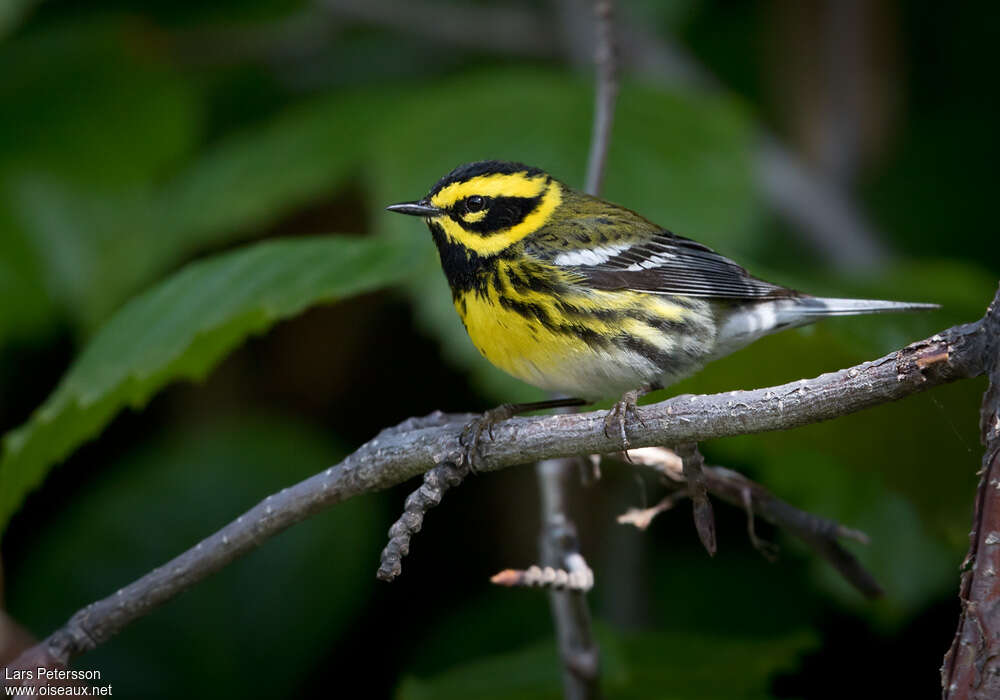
(619, 416)
(472, 434)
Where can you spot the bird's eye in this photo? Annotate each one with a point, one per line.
(474, 203)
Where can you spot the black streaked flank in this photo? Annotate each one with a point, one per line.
(665, 361)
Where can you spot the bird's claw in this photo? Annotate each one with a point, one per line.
(618, 417)
(472, 433)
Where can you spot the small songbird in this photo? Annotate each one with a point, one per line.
(586, 298)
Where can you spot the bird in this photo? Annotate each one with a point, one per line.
(590, 300)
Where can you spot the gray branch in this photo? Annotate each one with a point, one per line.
(570, 614)
(558, 539)
(606, 60)
(405, 451)
(436, 482)
(819, 533)
(694, 474)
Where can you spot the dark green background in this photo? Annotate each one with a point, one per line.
(138, 137)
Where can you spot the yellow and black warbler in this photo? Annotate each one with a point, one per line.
(582, 297)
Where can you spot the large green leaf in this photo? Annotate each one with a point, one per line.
(178, 330)
(106, 182)
(100, 245)
(252, 177)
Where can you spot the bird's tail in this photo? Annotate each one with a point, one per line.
(800, 310)
(745, 324)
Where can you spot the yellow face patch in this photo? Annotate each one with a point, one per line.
(495, 241)
(474, 217)
(494, 185)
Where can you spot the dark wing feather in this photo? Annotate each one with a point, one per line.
(670, 264)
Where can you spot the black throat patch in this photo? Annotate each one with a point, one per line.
(465, 269)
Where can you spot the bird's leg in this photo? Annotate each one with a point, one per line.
(624, 410)
(472, 434)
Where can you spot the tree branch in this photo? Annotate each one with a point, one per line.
(559, 546)
(558, 539)
(606, 59)
(413, 447)
(577, 576)
(436, 482)
(972, 665)
(819, 533)
(694, 473)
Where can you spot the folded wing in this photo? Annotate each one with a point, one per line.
(668, 264)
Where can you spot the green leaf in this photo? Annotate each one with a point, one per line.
(252, 177)
(179, 329)
(99, 245)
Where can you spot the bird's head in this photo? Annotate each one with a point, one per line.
(488, 206)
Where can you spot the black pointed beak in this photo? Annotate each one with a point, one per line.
(420, 208)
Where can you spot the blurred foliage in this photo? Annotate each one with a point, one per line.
(143, 147)
(225, 631)
(677, 666)
(180, 329)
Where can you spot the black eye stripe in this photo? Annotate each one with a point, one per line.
(503, 213)
(474, 203)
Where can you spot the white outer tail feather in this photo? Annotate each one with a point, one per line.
(750, 322)
(816, 306)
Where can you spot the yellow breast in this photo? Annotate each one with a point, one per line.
(517, 344)
(582, 342)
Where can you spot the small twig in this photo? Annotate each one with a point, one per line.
(819, 533)
(436, 482)
(577, 576)
(604, 97)
(567, 577)
(768, 550)
(693, 470)
(642, 518)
